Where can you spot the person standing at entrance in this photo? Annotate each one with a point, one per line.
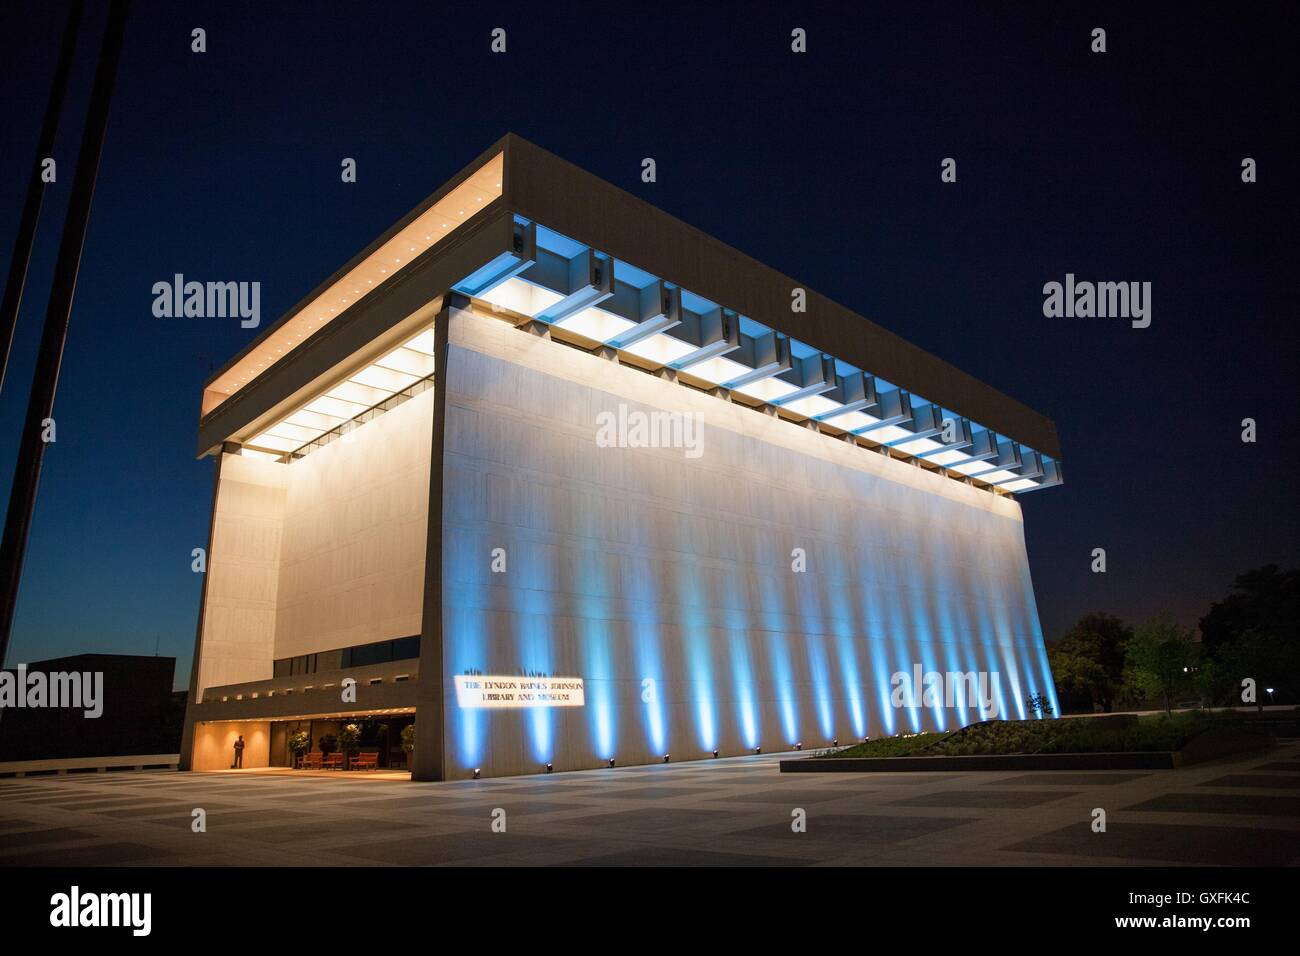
(239, 754)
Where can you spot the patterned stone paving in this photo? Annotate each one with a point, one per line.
(734, 812)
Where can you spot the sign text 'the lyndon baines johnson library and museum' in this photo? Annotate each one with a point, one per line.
(493, 691)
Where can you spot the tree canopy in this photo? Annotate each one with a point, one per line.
(1251, 637)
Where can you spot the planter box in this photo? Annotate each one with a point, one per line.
(1149, 760)
(1207, 747)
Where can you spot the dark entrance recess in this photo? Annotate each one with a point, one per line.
(381, 734)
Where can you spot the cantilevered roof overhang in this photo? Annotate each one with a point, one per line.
(532, 234)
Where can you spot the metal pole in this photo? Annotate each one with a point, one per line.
(40, 407)
(31, 215)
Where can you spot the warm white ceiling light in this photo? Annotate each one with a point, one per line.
(410, 361)
(886, 434)
(661, 349)
(1021, 484)
(365, 388)
(337, 407)
(422, 342)
(719, 370)
(972, 468)
(917, 446)
(523, 297)
(813, 406)
(947, 459)
(596, 324)
(260, 455)
(363, 395)
(387, 379)
(767, 389)
(317, 422)
(271, 442)
(852, 421)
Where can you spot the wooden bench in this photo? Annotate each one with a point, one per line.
(368, 760)
(311, 761)
(333, 761)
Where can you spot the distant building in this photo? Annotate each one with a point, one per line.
(141, 714)
(566, 481)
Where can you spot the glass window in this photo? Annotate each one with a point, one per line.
(406, 648)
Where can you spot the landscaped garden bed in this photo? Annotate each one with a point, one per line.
(1121, 742)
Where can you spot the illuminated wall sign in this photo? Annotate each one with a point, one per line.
(481, 691)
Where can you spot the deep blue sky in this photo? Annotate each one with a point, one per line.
(1122, 166)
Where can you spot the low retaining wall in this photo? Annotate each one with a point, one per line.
(21, 768)
(1151, 760)
(1196, 751)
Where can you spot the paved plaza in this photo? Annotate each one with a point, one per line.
(730, 812)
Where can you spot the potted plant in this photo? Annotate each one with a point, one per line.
(349, 740)
(408, 743)
(299, 741)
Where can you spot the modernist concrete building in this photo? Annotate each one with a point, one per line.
(567, 482)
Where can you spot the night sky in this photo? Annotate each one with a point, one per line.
(1123, 166)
